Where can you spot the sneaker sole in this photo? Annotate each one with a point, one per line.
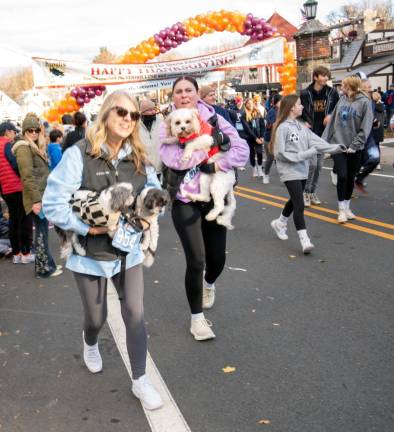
(202, 338)
(93, 371)
(307, 251)
(145, 406)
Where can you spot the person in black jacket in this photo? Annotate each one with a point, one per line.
(319, 101)
(254, 127)
(78, 133)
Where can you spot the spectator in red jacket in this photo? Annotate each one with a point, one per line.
(20, 224)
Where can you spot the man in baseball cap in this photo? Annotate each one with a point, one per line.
(7, 127)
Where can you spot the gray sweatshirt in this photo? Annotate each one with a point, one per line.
(295, 144)
(351, 122)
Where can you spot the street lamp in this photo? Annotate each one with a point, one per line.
(310, 7)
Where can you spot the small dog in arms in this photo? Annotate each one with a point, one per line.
(185, 126)
(105, 209)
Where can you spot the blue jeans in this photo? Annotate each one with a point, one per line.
(315, 166)
(44, 263)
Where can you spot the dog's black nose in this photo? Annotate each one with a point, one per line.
(183, 128)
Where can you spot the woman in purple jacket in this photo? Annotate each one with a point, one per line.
(204, 243)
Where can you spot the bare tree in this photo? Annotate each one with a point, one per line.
(14, 83)
(383, 11)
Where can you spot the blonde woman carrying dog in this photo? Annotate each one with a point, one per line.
(204, 242)
(111, 152)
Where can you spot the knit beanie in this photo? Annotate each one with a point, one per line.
(146, 105)
(205, 90)
(30, 122)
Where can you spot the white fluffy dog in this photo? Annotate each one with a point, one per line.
(183, 123)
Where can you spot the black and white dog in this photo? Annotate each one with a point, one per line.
(105, 209)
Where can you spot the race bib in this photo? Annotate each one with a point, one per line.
(190, 174)
(126, 237)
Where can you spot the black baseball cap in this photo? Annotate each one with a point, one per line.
(7, 125)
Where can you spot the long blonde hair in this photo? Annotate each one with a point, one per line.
(251, 113)
(97, 134)
(286, 104)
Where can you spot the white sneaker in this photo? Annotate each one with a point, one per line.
(280, 229)
(342, 217)
(201, 329)
(146, 393)
(307, 199)
(57, 272)
(28, 258)
(17, 259)
(255, 173)
(334, 178)
(92, 357)
(315, 199)
(208, 296)
(260, 171)
(306, 245)
(349, 214)
(266, 179)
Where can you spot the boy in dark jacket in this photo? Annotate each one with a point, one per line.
(319, 101)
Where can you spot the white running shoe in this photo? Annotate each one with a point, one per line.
(28, 258)
(307, 199)
(57, 272)
(280, 229)
(146, 393)
(306, 245)
(92, 357)
(342, 218)
(315, 199)
(208, 296)
(349, 214)
(201, 329)
(266, 179)
(260, 171)
(17, 259)
(334, 178)
(255, 172)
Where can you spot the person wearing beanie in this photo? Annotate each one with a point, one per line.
(149, 133)
(33, 167)
(208, 95)
(259, 106)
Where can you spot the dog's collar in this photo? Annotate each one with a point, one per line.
(191, 137)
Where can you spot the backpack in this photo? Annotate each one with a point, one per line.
(390, 99)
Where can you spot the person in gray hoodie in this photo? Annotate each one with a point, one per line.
(350, 124)
(293, 145)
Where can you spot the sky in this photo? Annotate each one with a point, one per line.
(75, 29)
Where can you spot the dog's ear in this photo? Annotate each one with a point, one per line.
(167, 122)
(118, 198)
(196, 120)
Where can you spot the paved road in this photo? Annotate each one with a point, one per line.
(310, 337)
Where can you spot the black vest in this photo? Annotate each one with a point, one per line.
(99, 174)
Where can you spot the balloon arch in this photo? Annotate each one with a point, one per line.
(257, 29)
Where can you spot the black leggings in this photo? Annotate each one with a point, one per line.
(255, 149)
(204, 244)
(295, 204)
(20, 224)
(346, 167)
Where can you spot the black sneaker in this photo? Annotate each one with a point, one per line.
(360, 186)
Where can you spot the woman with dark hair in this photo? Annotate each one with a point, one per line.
(204, 242)
(78, 133)
(294, 145)
(112, 152)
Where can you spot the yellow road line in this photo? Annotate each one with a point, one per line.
(323, 218)
(323, 209)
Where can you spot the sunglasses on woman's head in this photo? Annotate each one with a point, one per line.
(33, 130)
(122, 112)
